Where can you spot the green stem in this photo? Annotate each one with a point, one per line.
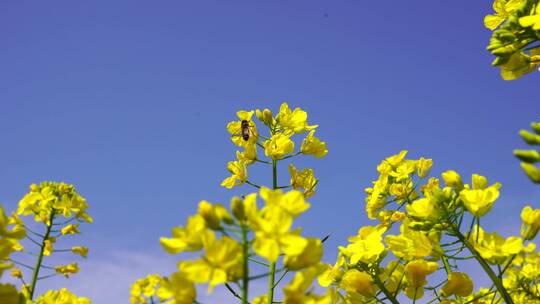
(381, 286)
(245, 279)
(40, 256)
(494, 278)
(271, 281)
(446, 265)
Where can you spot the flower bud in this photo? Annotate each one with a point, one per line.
(459, 284)
(528, 156)
(530, 138)
(34, 188)
(451, 178)
(532, 171)
(531, 222)
(265, 116)
(237, 207)
(536, 127)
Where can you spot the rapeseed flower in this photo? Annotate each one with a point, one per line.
(367, 245)
(67, 270)
(293, 121)
(310, 256)
(303, 179)
(311, 145)
(62, 296)
(410, 244)
(177, 289)
(235, 129)
(298, 290)
(479, 200)
(531, 222)
(459, 284)
(355, 281)
(415, 274)
(503, 9)
(221, 263)
(278, 146)
(188, 238)
(239, 174)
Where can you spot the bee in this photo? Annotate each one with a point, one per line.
(245, 130)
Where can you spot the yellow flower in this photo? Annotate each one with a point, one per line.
(221, 263)
(459, 284)
(367, 246)
(239, 174)
(410, 244)
(249, 155)
(67, 270)
(9, 238)
(452, 179)
(187, 238)
(311, 145)
(214, 215)
(304, 179)
(298, 290)
(480, 198)
(376, 196)
(49, 196)
(144, 288)
(272, 224)
(493, 247)
(9, 294)
(403, 170)
(293, 121)
(332, 273)
(235, 129)
(178, 289)
(292, 202)
(518, 65)
(80, 250)
(238, 209)
(262, 299)
(48, 248)
(62, 296)
(70, 229)
(394, 160)
(272, 236)
(415, 273)
(532, 20)
(423, 165)
(394, 273)
(531, 222)
(355, 281)
(503, 9)
(423, 208)
(310, 256)
(278, 146)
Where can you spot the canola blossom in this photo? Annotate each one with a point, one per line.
(516, 33)
(424, 229)
(60, 211)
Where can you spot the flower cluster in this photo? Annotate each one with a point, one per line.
(56, 206)
(229, 240)
(279, 145)
(516, 26)
(431, 218)
(425, 227)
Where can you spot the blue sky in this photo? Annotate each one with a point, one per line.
(129, 101)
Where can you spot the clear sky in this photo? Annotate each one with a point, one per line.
(129, 101)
